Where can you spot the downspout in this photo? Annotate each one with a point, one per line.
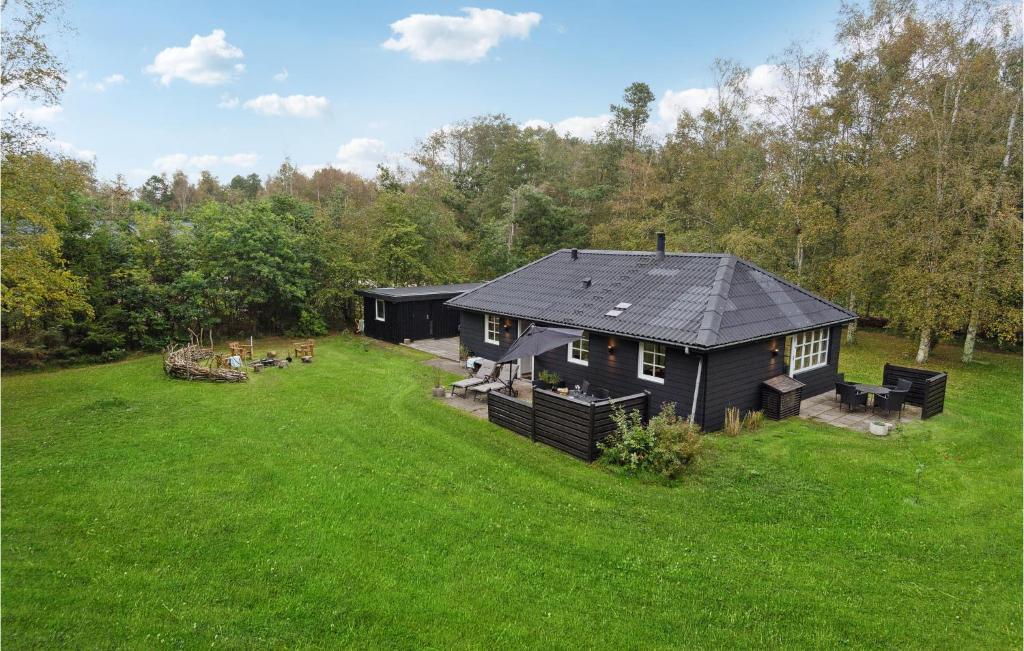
(696, 388)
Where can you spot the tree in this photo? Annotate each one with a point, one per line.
(630, 118)
(249, 187)
(156, 191)
(38, 194)
(182, 192)
(30, 70)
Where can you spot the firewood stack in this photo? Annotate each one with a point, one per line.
(183, 362)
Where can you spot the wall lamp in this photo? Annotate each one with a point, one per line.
(611, 349)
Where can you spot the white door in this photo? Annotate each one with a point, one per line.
(526, 363)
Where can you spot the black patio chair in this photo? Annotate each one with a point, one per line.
(851, 397)
(600, 393)
(890, 402)
(840, 379)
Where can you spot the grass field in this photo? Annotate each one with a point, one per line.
(339, 505)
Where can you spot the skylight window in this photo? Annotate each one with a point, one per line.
(623, 306)
(613, 313)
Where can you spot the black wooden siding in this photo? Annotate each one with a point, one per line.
(616, 372)
(471, 335)
(413, 320)
(735, 375)
(731, 377)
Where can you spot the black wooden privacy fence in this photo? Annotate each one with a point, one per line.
(928, 391)
(566, 423)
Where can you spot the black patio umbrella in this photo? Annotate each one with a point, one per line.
(537, 340)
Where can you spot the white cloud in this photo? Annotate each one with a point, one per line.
(431, 37)
(227, 102)
(241, 160)
(300, 106)
(764, 80)
(577, 126)
(107, 82)
(184, 162)
(207, 60)
(281, 76)
(361, 156)
(67, 149)
(692, 100)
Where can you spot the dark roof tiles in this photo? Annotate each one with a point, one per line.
(702, 300)
(422, 292)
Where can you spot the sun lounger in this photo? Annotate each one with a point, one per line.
(482, 374)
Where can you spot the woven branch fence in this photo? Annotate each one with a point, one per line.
(193, 362)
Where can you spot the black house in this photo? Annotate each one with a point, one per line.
(398, 313)
(702, 330)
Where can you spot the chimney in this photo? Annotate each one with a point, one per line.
(586, 283)
(575, 253)
(661, 244)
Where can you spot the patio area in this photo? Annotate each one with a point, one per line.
(824, 408)
(447, 348)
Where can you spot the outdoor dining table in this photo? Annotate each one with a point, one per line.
(873, 389)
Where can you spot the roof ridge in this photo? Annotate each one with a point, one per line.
(673, 254)
(707, 334)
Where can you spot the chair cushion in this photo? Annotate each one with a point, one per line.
(468, 382)
(484, 388)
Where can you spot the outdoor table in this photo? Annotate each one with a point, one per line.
(873, 389)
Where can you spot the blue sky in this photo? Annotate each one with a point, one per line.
(350, 100)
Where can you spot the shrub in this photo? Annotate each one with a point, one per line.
(667, 445)
(732, 421)
(310, 325)
(549, 377)
(753, 420)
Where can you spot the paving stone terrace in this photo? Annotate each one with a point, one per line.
(824, 408)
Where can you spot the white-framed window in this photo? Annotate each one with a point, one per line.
(808, 350)
(651, 362)
(492, 328)
(378, 306)
(579, 350)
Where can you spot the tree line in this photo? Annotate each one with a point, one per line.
(886, 177)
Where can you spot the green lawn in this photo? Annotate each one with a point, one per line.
(338, 504)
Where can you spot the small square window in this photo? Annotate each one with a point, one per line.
(651, 362)
(492, 329)
(579, 350)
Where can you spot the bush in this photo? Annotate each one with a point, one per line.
(667, 445)
(17, 355)
(310, 325)
(753, 420)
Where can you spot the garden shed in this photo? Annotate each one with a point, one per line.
(398, 313)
